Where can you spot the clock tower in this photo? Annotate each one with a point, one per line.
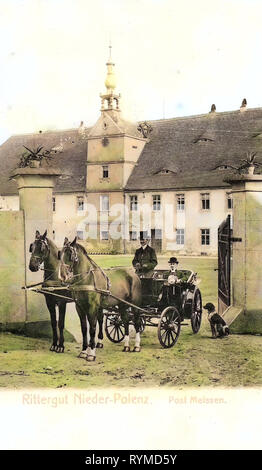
(114, 146)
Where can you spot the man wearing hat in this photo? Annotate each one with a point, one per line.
(145, 259)
(181, 276)
(173, 277)
(217, 323)
(144, 262)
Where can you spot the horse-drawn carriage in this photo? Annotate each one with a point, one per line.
(166, 304)
(164, 301)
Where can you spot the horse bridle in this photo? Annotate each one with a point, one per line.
(74, 259)
(73, 253)
(44, 245)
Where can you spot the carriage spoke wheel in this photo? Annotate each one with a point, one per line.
(114, 328)
(196, 314)
(169, 327)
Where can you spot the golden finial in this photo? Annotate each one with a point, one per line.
(110, 81)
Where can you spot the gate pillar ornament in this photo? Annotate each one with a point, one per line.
(245, 313)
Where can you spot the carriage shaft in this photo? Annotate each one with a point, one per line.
(39, 291)
(121, 300)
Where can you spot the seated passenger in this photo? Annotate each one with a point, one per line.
(181, 276)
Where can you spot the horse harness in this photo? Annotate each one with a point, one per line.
(92, 270)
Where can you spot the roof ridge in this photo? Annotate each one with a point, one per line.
(204, 115)
(46, 132)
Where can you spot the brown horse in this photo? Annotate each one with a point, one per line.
(45, 251)
(85, 276)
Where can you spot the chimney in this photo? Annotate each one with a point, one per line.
(243, 106)
(81, 128)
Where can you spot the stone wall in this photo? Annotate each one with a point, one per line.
(12, 270)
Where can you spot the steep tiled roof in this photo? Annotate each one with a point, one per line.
(181, 153)
(192, 147)
(70, 157)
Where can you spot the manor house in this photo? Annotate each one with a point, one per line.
(165, 177)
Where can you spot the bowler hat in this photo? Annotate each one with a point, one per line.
(173, 260)
(209, 306)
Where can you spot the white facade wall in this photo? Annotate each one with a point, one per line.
(67, 219)
(192, 219)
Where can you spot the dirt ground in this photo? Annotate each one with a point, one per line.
(196, 361)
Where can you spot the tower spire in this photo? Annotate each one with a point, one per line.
(110, 97)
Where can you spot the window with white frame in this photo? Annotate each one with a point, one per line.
(80, 203)
(104, 203)
(105, 171)
(54, 204)
(133, 235)
(158, 234)
(205, 201)
(180, 236)
(104, 234)
(205, 236)
(180, 202)
(133, 203)
(229, 201)
(80, 234)
(156, 202)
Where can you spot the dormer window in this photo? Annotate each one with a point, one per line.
(223, 167)
(203, 139)
(166, 171)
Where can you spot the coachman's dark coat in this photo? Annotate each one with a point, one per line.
(147, 260)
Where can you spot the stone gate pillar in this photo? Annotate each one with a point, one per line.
(245, 313)
(35, 186)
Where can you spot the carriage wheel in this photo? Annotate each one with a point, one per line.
(196, 313)
(114, 328)
(169, 327)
